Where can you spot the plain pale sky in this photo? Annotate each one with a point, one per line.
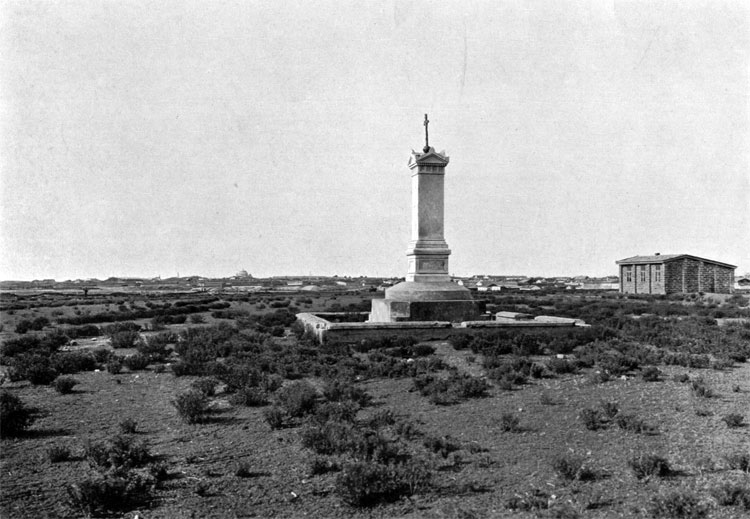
(149, 138)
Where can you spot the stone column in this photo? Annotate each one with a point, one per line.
(428, 252)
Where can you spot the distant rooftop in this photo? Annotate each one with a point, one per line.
(663, 258)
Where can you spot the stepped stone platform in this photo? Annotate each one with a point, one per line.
(326, 327)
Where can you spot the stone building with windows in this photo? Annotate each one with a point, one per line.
(673, 274)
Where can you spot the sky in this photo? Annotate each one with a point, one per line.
(155, 138)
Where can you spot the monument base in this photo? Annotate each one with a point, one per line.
(416, 301)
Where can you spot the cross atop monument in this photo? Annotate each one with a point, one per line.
(426, 135)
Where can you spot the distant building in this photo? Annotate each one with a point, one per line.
(674, 273)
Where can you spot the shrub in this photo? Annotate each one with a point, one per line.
(206, 385)
(365, 484)
(533, 500)
(274, 416)
(102, 355)
(323, 465)
(35, 368)
(121, 452)
(682, 378)
(114, 366)
(136, 362)
(678, 504)
(591, 419)
(192, 406)
(728, 494)
(734, 420)
(336, 411)
(382, 418)
(647, 465)
(509, 422)
(64, 385)
(243, 470)
(249, 396)
(58, 453)
(337, 391)
(125, 339)
(68, 363)
(106, 493)
(738, 461)
(651, 374)
(571, 466)
(561, 366)
(630, 422)
(441, 445)
(701, 389)
(298, 399)
(15, 417)
(128, 426)
(609, 409)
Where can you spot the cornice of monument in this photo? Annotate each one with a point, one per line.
(430, 158)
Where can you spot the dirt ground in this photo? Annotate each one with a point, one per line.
(492, 467)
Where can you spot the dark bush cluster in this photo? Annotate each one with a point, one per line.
(15, 417)
(451, 390)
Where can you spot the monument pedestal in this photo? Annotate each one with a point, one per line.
(428, 301)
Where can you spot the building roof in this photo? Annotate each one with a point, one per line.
(663, 258)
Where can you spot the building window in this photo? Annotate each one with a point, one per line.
(657, 273)
(629, 274)
(643, 274)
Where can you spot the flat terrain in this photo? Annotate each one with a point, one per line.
(489, 469)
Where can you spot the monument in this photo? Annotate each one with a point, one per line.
(428, 293)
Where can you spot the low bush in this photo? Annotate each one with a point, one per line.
(571, 467)
(591, 419)
(337, 391)
(701, 389)
(64, 385)
(631, 423)
(442, 445)
(509, 422)
(647, 465)
(58, 453)
(298, 399)
(114, 366)
(128, 426)
(250, 397)
(561, 366)
(734, 420)
(382, 418)
(35, 368)
(274, 416)
(651, 374)
(125, 339)
(192, 406)
(730, 494)
(336, 411)
(531, 501)
(15, 417)
(364, 484)
(323, 465)
(136, 362)
(738, 461)
(206, 385)
(67, 363)
(121, 452)
(609, 409)
(110, 492)
(681, 504)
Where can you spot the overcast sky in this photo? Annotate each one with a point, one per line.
(151, 138)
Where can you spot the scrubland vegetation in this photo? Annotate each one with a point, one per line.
(223, 407)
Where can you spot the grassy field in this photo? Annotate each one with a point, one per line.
(644, 414)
